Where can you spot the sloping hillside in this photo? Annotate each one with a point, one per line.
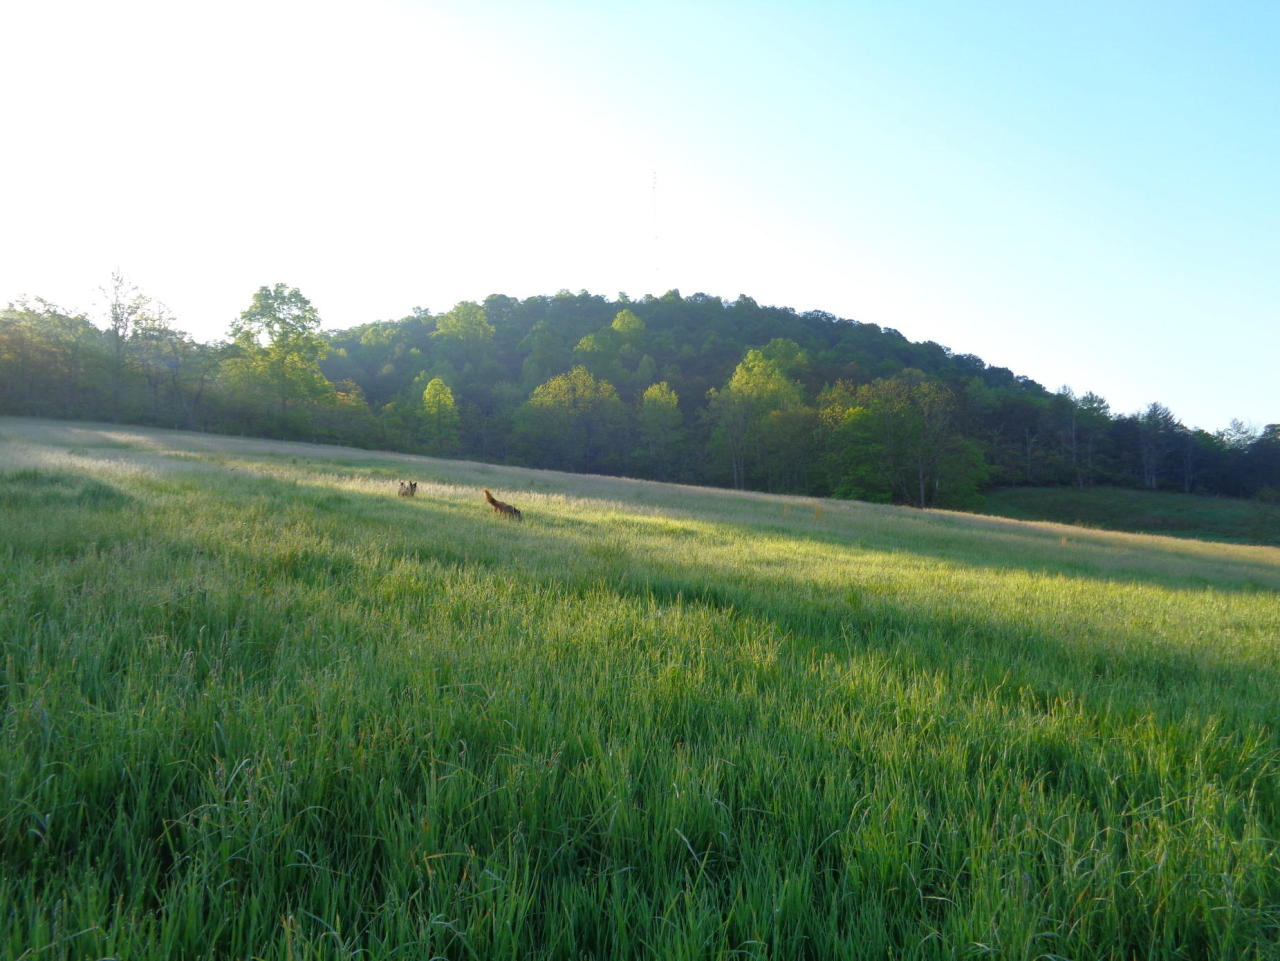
(1154, 512)
(256, 704)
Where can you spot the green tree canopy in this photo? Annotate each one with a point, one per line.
(899, 439)
(440, 420)
(628, 325)
(279, 349)
(786, 356)
(280, 316)
(660, 434)
(52, 362)
(467, 322)
(573, 420)
(757, 387)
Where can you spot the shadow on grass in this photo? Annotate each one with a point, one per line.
(971, 541)
(974, 541)
(1224, 519)
(36, 488)
(978, 652)
(1000, 544)
(1116, 663)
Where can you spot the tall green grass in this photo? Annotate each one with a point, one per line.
(1153, 512)
(254, 705)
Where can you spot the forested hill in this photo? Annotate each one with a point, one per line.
(674, 388)
(694, 343)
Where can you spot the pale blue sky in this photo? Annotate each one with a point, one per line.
(1085, 193)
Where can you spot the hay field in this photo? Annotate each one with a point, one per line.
(255, 705)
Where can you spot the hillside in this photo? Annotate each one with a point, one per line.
(255, 704)
(690, 389)
(1152, 512)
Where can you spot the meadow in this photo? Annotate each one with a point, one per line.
(1232, 519)
(255, 705)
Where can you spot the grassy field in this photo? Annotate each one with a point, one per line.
(255, 705)
(1153, 512)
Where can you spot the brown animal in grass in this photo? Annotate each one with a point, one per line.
(501, 508)
(408, 488)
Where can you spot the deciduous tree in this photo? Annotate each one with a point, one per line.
(903, 440)
(660, 434)
(757, 387)
(440, 420)
(278, 350)
(575, 422)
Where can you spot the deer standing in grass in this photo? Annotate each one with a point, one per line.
(502, 508)
(408, 488)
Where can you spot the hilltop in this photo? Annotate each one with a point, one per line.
(693, 389)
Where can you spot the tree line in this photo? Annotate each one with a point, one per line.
(694, 389)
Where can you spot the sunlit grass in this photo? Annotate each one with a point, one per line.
(257, 705)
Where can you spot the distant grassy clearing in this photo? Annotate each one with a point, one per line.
(1156, 512)
(254, 704)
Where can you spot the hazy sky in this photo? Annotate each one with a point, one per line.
(1087, 193)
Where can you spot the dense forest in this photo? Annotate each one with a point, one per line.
(694, 389)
